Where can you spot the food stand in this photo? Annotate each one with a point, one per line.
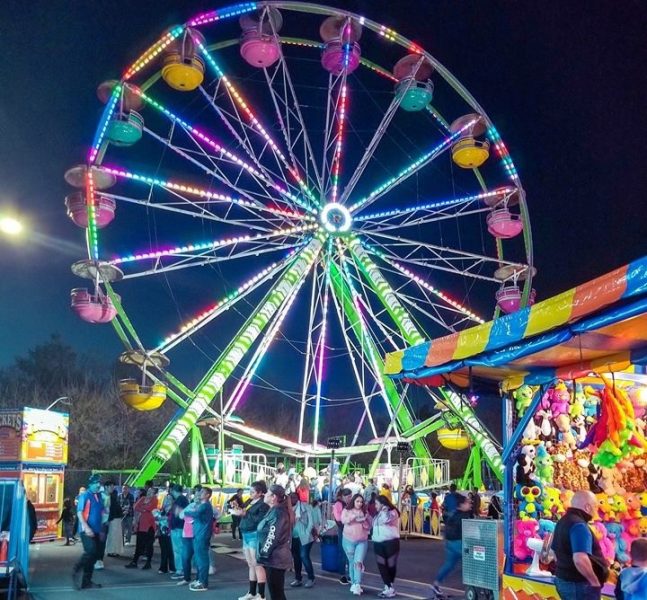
(33, 448)
(571, 371)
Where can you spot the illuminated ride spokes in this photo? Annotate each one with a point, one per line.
(280, 175)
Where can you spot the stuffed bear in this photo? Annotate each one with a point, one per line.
(523, 398)
(606, 544)
(552, 502)
(615, 531)
(544, 465)
(524, 530)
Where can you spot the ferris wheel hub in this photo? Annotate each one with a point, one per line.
(336, 218)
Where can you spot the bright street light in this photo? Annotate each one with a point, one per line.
(61, 400)
(10, 226)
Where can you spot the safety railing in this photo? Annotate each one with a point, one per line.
(14, 536)
(425, 473)
(243, 469)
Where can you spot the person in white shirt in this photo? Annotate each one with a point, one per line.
(386, 543)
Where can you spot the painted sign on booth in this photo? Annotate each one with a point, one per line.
(44, 436)
(10, 435)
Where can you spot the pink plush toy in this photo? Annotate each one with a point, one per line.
(524, 530)
(633, 506)
(557, 399)
(606, 545)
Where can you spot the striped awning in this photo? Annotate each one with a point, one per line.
(600, 325)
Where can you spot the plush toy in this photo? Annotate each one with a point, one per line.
(591, 403)
(621, 507)
(579, 429)
(552, 502)
(546, 527)
(638, 397)
(566, 496)
(570, 470)
(606, 507)
(606, 545)
(615, 531)
(530, 497)
(633, 506)
(530, 433)
(524, 530)
(643, 503)
(610, 481)
(563, 424)
(547, 431)
(577, 406)
(594, 479)
(523, 398)
(526, 465)
(642, 526)
(559, 399)
(544, 465)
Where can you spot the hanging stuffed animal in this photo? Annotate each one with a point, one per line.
(591, 403)
(530, 500)
(526, 465)
(524, 530)
(544, 465)
(523, 398)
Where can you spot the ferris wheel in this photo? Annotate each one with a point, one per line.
(289, 180)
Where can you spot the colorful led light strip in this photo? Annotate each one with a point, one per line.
(341, 119)
(407, 209)
(423, 283)
(154, 51)
(213, 245)
(106, 116)
(320, 357)
(219, 148)
(503, 153)
(218, 15)
(201, 192)
(214, 310)
(257, 124)
(93, 241)
(444, 144)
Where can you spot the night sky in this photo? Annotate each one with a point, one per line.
(564, 82)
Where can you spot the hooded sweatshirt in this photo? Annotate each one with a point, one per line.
(632, 584)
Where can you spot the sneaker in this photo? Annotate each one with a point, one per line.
(356, 589)
(248, 596)
(131, 565)
(296, 583)
(183, 582)
(90, 585)
(127, 544)
(198, 587)
(177, 576)
(309, 583)
(147, 565)
(98, 565)
(344, 580)
(387, 592)
(161, 571)
(436, 591)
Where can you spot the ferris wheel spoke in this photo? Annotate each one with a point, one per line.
(237, 99)
(231, 299)
(292, 108)
(411, 169)
(442, 258)
(185, 262)
(429, 212)
(380, 131)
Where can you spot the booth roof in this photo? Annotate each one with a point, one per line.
(598, 326)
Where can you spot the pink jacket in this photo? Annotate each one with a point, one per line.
(355, 531)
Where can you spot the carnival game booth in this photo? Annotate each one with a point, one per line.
(572, 376)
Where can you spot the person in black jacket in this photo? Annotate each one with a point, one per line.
(453, 540)
(250, 515)
(274, 536)
(233, 504)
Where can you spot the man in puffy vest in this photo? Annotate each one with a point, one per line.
(581, 566)
(90, 511)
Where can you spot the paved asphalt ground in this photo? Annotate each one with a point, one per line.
(51, 566)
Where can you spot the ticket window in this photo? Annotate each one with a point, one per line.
(43, 488)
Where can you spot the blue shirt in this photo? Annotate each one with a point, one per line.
(202, 519)
(92, 507)
(581, 538)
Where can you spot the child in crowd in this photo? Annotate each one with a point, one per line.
(67, 517)
(632, 583)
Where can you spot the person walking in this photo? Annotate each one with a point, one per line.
(357, 525)
(163, 531)
(187, 540)
(274, 535)
(369, 490)
(386, 543)
(251, 515)
(127, 502)
(494, 509)
(581, 567)
(114, 540)
(344, 496)
(90, 521)
(144, 525)
(180, 502)
(450, 502)
(234, 504)
(303, 538)
(201, 511)
(476, 502)
(67, 518)
(453, 541)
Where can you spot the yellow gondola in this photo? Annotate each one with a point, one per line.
(142, 397)
(453, 439)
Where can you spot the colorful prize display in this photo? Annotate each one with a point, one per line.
(587, 434)
(277, 177)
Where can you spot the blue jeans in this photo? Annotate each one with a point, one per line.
(201, 551)
(89, 557)
(301, 558)
(453, 555)
(176, 542)
(187, 555)
(342, 561)
(356, 553)
(570, 590)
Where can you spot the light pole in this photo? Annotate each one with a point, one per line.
(61, 400)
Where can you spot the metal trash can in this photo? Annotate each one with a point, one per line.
(329, 553)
